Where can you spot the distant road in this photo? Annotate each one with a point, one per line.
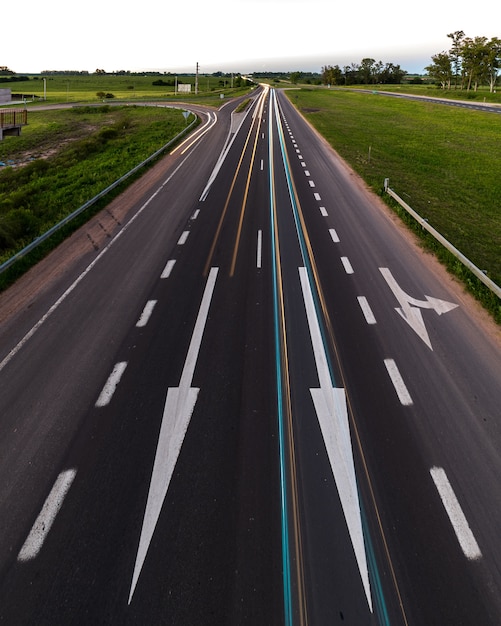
(242, 394)
(477, 106)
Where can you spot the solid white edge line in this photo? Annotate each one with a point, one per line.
(366, 310)
(347, 265)
(457, 518)
(168, 268)
(86, 271)
(145, 315)
(111, 384)
(46, 517)
(398, 383)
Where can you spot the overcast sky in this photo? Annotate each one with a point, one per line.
(234, 35)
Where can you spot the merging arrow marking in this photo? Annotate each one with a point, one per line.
(178, 410)
(332, 413)
(410, 308)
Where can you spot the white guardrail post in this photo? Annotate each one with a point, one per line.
(496, 289)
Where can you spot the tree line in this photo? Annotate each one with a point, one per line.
(468, 64)
(368, 72)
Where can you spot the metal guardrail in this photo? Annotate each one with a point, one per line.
(496, 289)
(36, 242)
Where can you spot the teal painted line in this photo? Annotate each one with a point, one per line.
(286, 575)
(302, 242)
(376, 584)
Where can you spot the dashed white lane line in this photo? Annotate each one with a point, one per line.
(312, 184)
(397, 380)
(168, 268)
(458, 520)
(366, 310)
(111, 384)
(196, 214)
(47, 515)
(323, 211)
(146, 314)
(332, 232)
(183, 238)
(307, 173)
(347, 265)
(259, 248)
(317, 196)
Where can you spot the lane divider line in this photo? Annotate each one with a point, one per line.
(464, 535)
(183, 238)
(259, 252)
(146, 314)
(168, 268)
(347, 265)
(111, 384)
(317, 196)
(366, 310)
(47, 516)
(398, 382)
(332, 232)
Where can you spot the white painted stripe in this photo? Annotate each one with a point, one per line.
(312, 184)
(333, 233)
(183, 238)
(146, 314)
(111, 384)
(317, 196)
(458, 520)
(402, 393)
(332, 413)
(168, 268)
(347, 265)
(298, 150)
(178, 409)
(307, 173)
(366, 310)
(259, 248)
(262, 164)
(323, 211)
(47, 515)
(196, 214)
(303, 164)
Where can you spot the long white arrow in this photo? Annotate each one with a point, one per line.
(177, 413)
(332, 413)
(410, 308)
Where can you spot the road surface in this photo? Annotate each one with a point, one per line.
(249, 399)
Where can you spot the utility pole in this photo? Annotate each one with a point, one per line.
(196, 81)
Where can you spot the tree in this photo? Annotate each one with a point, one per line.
(493, 61)
(455, 53)
(441, 69)
(332, 75)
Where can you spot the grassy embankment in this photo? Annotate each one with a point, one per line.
(62, 159)
(445, 162)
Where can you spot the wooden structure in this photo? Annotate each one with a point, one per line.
(11, 122)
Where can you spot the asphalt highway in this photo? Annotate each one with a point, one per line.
(257, 401)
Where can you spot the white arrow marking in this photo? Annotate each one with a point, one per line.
(332, 413)
(177, 413)
(410, 308)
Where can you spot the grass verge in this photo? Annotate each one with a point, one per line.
(65, 158)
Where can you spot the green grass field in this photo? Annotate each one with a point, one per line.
(445, 162)
(84, 88)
